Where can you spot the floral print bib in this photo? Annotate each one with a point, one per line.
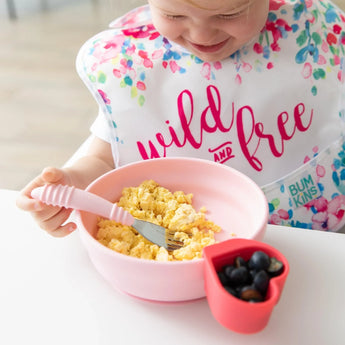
(267, 110)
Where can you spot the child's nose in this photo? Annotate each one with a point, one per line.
(203, 34)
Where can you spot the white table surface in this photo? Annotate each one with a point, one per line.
(50, 293)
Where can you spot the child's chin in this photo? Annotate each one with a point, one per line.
(211, 57)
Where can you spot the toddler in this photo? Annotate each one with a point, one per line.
(254, 84)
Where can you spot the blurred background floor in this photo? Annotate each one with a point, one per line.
(45, 110)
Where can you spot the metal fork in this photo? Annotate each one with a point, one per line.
(78, 199)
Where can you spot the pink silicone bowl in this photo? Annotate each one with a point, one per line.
(233, 201)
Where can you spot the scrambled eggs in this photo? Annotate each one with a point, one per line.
(173, 211)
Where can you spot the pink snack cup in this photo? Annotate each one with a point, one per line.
(231, 312)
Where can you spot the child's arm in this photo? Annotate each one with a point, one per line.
(98, 161)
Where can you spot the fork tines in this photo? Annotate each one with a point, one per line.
(171, 242)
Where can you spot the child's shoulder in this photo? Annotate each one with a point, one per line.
(137, 17)
(133, 28)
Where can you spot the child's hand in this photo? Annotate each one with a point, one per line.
(49, 218)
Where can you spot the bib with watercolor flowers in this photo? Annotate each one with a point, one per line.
(262, 110)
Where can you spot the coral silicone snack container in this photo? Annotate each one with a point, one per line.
(233, 313)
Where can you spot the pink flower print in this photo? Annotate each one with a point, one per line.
(206, 70)
(324, 46)
(306, 159)
(141, 86)
(173, 66)
(123, 62)
(117, 73)
(141, 32)
(131, 50)
(275, 5)
(331, 39)
(336, 29)
(217, 65)
(320, 204)
(109, 50)
(322, 60)
(336, 60)
(332, 221)
(275, 219)
(238, 79)
(104, 96)
(307, 70)
(147, 62)
(309, 3)
(157, 54)
(320, 217)
(275, 47)
(258, 48)
(320, 171)
(336, 211)
(110, 45)
(154, 35)
(247, 67)
(283, 214)
(335, 204)
(277, 28)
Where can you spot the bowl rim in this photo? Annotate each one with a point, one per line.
(106, 250)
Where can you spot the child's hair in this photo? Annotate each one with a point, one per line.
(193, 3)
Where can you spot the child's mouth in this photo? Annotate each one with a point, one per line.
(209, 48)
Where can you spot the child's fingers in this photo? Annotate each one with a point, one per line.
(48, 175)
(28, 204)
(52, 221)
(53, 175)
(50, 218)
(64, 230)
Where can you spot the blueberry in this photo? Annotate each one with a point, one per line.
(250, 293)
(249, 280)
(223, 278)
(261, 281)
(252, 274)
(275, 268)
(259, 261)
(231, 290)
(239, 261)
(239, 276)
(227, 270)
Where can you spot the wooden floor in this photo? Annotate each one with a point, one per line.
(45, 110)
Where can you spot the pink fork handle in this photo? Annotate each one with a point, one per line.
(78, 199)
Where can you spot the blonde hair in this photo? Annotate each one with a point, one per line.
(192, 2)
(195, 4)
